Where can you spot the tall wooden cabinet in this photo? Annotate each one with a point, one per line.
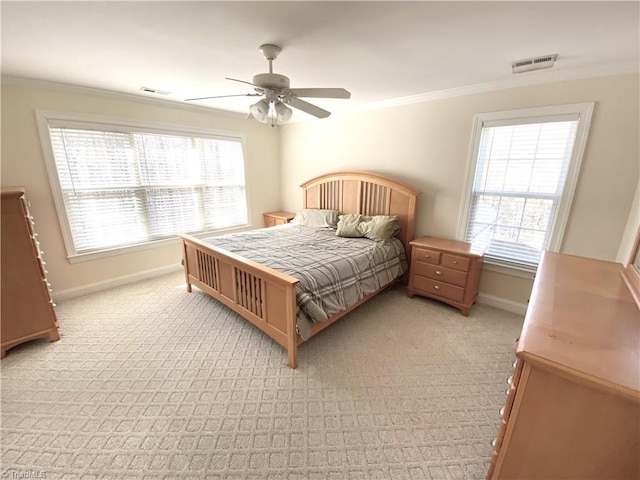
(573, 405)
(27, 307)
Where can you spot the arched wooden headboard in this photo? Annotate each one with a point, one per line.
(365, 193)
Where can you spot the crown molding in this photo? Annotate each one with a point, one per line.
(539, 77)
(81, 90)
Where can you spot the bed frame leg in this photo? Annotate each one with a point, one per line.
(184, 264)
(293, 355)
(292, 333)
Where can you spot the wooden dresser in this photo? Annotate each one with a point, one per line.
(573, 405)
(27, 308)
(277, 218)
(446, 270)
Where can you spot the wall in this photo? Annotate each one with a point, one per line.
(23, 165)
(631, 230)
(427, 146)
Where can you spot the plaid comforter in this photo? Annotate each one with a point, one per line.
(334, 272)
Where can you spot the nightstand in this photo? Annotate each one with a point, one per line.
(277, 218)
(445, 270)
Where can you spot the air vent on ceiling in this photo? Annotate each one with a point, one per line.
(153, 90)
(536, 63)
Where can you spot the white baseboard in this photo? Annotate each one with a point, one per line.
(483, 298)
(113, 282)
(502, 303)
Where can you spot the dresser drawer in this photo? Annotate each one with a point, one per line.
(442, 274)
(441, 289)
(455, 262)
(427, 256)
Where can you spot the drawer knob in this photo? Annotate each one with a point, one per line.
(455, 262)
(502, 412)
(438, 272)
(509, 380)
(426, 256)
(436, 287)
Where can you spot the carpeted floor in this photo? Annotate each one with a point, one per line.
(150, 382)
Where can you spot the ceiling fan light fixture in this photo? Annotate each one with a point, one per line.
(260, 111)
(283, 113)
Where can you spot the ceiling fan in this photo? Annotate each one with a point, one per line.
(277, 94)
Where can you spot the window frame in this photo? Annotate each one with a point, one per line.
(46, 118)
(584, 111)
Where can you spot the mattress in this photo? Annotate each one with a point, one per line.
(334, 273)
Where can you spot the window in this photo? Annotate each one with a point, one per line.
(522, 174)
(122, 185)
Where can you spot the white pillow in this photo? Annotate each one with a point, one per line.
(314, 217)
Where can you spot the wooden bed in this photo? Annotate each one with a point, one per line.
(266, 297)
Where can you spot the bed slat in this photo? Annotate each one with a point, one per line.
(250, 293)
(375, 199)
(330, 195)
(208, 270)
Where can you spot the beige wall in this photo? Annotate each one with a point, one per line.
(427, 146)
(631, 231)
(23, 164)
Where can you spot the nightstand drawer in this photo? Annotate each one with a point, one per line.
(427, 256)
(442, 274)
(456, 262)
(440, 289)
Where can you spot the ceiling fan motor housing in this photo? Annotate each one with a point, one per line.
(271, 81)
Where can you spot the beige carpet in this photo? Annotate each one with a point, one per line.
(150, 382)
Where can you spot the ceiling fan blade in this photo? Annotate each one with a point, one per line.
(243, 81)
(225, 96)
(321, 92)
(307, 107)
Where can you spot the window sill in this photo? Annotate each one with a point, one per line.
(528, 273)
(111, 252)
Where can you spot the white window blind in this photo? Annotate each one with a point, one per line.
(121, 188)
(519, 187)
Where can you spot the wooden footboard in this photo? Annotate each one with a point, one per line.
(262, 295)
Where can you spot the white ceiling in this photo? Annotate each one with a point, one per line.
(380, 51)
